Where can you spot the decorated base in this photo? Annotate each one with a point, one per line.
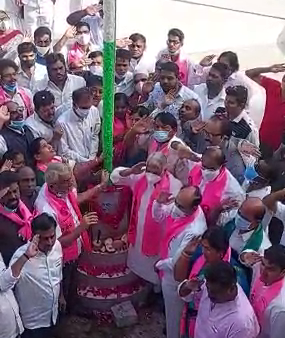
(103, 278)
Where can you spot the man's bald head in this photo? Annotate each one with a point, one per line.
(253, 210)
(188, 199)
(213, 158)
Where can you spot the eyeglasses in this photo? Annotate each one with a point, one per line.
(174, 42)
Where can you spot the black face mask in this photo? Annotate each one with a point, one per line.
(28, 63)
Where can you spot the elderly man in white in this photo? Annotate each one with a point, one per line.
(183, 220)
(38, 288)
(11, 323)
(146, 180)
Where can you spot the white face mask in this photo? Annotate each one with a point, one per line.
(96, 70)
(82, 112)
(43, 50)
(176, 212)
(152, 178)
(83, 39)
(209, 175)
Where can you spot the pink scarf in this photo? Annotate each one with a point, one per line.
(155, 146)
(197, 267)
(213, 190)
(24, 223)
(174, 227)
(152, 234)
(183, 71)
(4, 97)
(261, 296)
(43, 167)
(66, 223)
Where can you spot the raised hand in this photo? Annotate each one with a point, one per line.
(248, 149)
(250, 258)
(194, 284)
(277, 68)
(192, 245)
(229, 203)
(33, 247)
(7, 166)
(143, 125)
(104, 178)
(123, 42)
(165, 198)
(93, 9)
(57, 133)
(207, 60)
(89, 220)
(70, 32)
(138, 168)
(4, 114)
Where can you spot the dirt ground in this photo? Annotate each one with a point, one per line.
(150, 325)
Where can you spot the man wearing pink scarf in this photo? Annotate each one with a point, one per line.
(15, 217)
(147, 181)
(183, 219)
(267, 295)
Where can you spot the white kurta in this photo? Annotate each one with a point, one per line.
(139, 263)
(173, 303)
(11, 324)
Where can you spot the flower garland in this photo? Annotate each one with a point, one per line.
(111, 271)
(112, 219)
(116, 292)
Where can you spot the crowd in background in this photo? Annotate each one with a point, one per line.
(206, 222)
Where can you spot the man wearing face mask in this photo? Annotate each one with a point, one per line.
(183, 220)
(190, 74)
(15, 217)
(29, 73)
(212, 93)
(140, 78)
(9, 89)
(93, 15)
(15, 135)
(82, 47)
(81, 127)
(146, 180)
(215, 181)
(246, 231)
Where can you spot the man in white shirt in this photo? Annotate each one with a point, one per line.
(93, 15)
(212, 93)
(190, 74)
(42, 122)
(183, 220)
(59, 82)
(11, 323)
(81, 127)
(124, 79)
(140, 60)
(38, 287)
(169, 94)
(30, 72)
(243, 126)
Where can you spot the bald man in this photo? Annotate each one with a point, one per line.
(246, 228)
(146, 180)
(184, 220)
(28, 188)
(216, 183)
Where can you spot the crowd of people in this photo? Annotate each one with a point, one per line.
(207, 183)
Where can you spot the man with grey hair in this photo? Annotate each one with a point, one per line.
(58, 198)
(146, 180)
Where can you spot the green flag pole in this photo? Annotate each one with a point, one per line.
(109, 9)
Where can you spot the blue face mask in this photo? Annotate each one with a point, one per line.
(250, 173)
(10, 87)
(17, 124)
(241, 223)
(160, 135)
